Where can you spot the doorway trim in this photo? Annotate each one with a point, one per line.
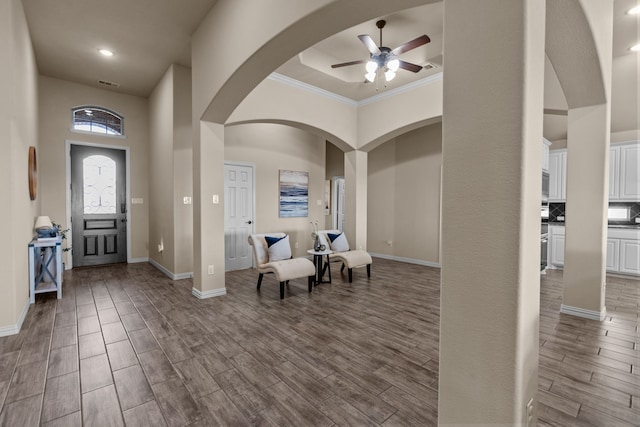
(68, 144)
(253, 214)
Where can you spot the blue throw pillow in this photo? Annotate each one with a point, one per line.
(339, 242)
(278, 248)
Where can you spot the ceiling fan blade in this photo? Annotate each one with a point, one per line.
(409, 66)
(370, 44)
(423, 39)
(344, 64)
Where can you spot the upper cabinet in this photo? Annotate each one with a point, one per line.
(557, 175)
(624, 173)
(545, 154)
(628, 177)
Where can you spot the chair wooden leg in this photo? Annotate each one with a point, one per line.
(311, 279)
(350, 275)
(369, 270)
(260, 280)
(342, 268)
(281, 290)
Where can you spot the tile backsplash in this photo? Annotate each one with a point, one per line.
(558, 209)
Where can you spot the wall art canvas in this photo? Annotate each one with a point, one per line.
(294, 194)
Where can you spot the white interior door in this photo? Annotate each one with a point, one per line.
(238, 215)
(338, 204)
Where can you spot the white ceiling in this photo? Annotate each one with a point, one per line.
(146, 35)
(149, 35)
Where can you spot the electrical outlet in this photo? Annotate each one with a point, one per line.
(296, 245)
(389, 243)
(319, 202)
(210, 269)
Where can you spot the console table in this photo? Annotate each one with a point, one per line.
(45, 262)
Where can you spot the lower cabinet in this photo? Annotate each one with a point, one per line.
(613, 254)
(629, 257)
(556, 246)
(623, 250)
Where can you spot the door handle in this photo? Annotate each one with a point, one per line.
(123, 220)
(249, 222)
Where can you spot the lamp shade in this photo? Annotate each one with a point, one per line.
(43, 222)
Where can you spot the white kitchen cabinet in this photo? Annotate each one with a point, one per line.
(629, 174)
(613, 254)
(556, 246)
(629, 257)
(624, 173)
(545, 154)
(614, 172)
(623, 250)
(557, 175)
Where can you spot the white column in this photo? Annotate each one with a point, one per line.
(588, 137)
(491, 195)
(208, 217)
(355, 195)
(586, 212)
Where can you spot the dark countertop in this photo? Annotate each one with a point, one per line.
(629, 226)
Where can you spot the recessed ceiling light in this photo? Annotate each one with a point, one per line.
(634, 10)
(105, 52)
(635, 48)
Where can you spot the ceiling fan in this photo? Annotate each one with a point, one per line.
(384, 58)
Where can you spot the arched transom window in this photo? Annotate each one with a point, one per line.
(97, 120)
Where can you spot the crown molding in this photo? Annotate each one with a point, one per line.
(310, 88)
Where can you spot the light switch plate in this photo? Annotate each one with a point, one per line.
(216, 199)
(187, 200)
(137, 201)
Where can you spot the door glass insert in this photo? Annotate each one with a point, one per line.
(99, 181)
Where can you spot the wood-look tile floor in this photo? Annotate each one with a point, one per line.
(126, 345)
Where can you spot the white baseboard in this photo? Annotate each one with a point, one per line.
(137, 260)
(407, 260)
(584, 313)
(168, 273)
(14, 329)
(208, 294)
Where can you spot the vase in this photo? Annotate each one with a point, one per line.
(316, 243)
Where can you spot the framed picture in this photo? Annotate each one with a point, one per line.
(294, 194)
(327, 197)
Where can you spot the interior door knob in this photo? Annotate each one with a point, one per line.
(249, 222)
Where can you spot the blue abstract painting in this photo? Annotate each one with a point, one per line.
(294, 194)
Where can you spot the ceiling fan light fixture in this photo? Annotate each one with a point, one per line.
(389, 75)
(371, 66)
(105, 52)
(393, 65)
(370, 76)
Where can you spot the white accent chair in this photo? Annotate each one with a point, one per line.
(284, 270)
(350, 259)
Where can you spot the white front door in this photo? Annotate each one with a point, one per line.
(238, 215)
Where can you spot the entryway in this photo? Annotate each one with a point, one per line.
(98, 205)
